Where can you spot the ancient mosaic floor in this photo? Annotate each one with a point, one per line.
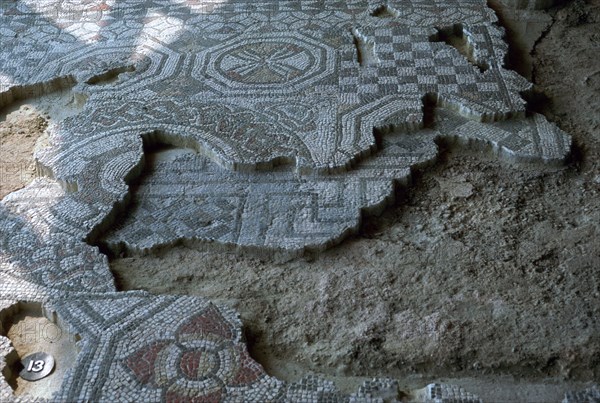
(295, 118)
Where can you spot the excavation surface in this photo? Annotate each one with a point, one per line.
(230, 158)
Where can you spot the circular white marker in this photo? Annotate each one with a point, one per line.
(36, 366)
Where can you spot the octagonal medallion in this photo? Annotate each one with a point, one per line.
(273, 63)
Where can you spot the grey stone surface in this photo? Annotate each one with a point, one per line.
(294, 138)
(589, 395)
(444, 393)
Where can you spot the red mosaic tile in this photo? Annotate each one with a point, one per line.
(173, 397)
(194, 364)
(249, 370)
(141, 363)
(210, 321)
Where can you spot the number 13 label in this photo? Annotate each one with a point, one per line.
(36, 366)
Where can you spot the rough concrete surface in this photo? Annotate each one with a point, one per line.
(19, 132)
(218, 151)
